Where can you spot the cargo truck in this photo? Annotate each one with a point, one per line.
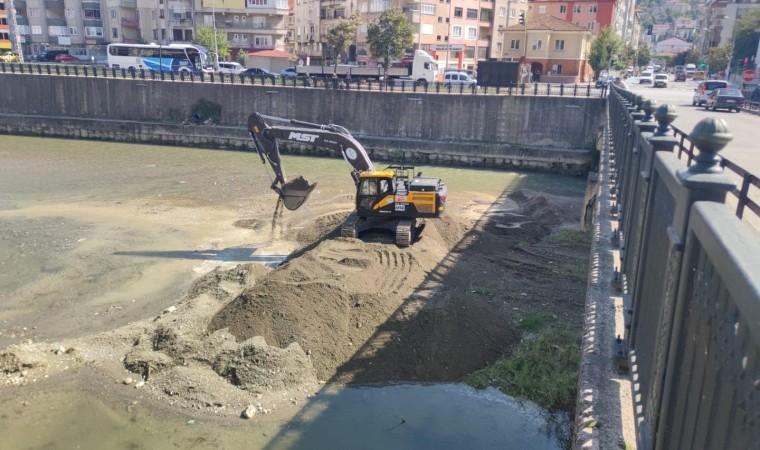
(421, 70)
(498, 73)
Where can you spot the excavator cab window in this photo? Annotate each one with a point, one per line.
(368, 187)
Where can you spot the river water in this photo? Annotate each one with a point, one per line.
(96, 235)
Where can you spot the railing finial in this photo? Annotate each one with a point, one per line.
(648, 107)
(710, 135)
(638, 101)
(664, 115)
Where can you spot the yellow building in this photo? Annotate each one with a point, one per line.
(5, 34)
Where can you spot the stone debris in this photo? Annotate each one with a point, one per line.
(249, 412)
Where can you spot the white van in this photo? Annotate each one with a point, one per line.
(230, 67)
(690, 69)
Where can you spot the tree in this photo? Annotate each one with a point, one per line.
(389, 36)
(746, 41)
(720, 56)
(643, 56)
(603, 48)
(693, 56)
(340, 36)
(205, 36)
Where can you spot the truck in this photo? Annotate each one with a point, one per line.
(393, 199)
(422, 69)
(498, 73)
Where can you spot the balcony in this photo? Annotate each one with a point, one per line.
(54, 4)
(183, 22)
(19, 4)
(128, 4)
(91, 5)
(93, 23)
(260, 28)
(130, 23)
(56, 21)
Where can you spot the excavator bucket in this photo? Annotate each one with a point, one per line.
(295, 192)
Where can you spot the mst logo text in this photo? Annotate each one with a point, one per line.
(302, 137)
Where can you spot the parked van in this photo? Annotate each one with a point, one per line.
(230, 67)
(690, 69)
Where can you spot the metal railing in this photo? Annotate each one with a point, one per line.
(688, 278)
(368, 84)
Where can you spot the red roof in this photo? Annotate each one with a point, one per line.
(270, 53)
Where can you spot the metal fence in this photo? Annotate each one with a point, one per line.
(391, 85)
(689, 280)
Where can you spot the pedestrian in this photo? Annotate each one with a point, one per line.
(538, 76)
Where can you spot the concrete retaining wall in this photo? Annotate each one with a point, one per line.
(552, 133)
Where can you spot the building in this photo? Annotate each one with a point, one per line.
(556, 48)
(142, 21)
(719, 21)
(593, 15)
(672, 46)
(5, 32)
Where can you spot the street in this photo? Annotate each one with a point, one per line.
(742, 150)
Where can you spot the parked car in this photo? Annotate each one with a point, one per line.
(65, 57)
(680, 76)
(288, 72)
(232, 68)
(704, 89)
(9, 57)
(699, 75)
(256, 72)
(50, 55)
(646, 77)
(603, 81)
(755, 95)
(725, 98)
(661, 80)
(458, 78)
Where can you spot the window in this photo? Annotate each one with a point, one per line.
(456, 31)
(458, 12)
(512, 12)
(115, 33)
(557, 69)
(502, 11)
(472, 13)
(559, 44)
(73, 31)
(472, 33)
(34, 12)
(93, 31)
(93, 14)
(542, 9)
(515, 44)
(428, 9)
(498, 47)
(71, 13)
(378, 5)
(440, 19)
(155, 34)
(576, 8)
(563, 8)
(592, 9)
(23, 29)
(591, 25)
(161, 14)
(36, 29)
(54, 30)
(537, 44)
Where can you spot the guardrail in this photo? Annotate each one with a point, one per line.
(688, 278)
(391, 85)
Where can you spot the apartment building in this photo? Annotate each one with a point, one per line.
(159, 21)
(593, 15)
(250, 24)
(719, 21)
(457, 33)
(5, 32)
(555, 48)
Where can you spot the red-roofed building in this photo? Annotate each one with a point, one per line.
(594, 15)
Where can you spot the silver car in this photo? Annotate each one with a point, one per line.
(457, 78)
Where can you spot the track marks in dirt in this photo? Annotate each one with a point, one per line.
(394, 268)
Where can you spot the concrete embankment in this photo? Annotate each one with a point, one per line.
(541, 133)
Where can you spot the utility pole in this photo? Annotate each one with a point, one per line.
(216, 45)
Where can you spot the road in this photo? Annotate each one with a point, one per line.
(742, 150)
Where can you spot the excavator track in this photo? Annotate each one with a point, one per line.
(350, 228)
(404, 230)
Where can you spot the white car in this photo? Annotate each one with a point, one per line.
(646, 78)
(232, 68)
(661, 80)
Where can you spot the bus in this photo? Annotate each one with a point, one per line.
(188, 58)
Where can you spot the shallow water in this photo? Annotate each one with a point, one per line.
(95, 235)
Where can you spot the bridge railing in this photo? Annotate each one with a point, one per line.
(516, 89)
(690, 280)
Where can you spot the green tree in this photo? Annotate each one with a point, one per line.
(693, 56)
(720, 56)
(389, 36)
(746, 41)
(644, 55)
(340, 36)
(606, 45)
(205, 36)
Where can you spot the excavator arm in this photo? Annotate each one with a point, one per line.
(295, 192)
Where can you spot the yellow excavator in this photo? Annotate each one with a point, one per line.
(393, 198)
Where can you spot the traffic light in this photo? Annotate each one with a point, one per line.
(522, 18)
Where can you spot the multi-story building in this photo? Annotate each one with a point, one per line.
(143, 21)
(556, 49)
(5, 32)
(75, 25)
(593, 15)
(250, 24)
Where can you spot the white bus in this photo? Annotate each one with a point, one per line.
(188, 58)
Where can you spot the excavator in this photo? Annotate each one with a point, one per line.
(392, 199)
